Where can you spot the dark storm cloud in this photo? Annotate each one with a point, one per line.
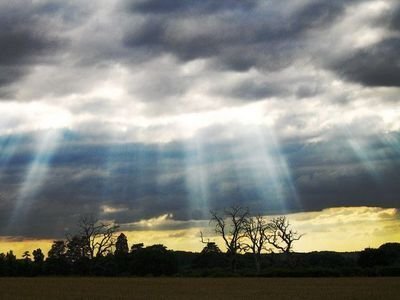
(20, 42)
(378, 65)
(252, 36)
(332, 173)
(195, 6)
(232, 35)
(9, 74)
(24, 38)
(147, 181)
(395, 18)
(391, 18)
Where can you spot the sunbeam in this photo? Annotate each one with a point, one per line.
(393, 140)
(273, 162)
(261, 170)
(360, 148)
(196, 176)
(36, 174)
(124, 178)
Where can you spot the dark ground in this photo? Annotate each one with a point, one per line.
(201, 288)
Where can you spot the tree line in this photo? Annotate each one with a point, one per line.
(254, 246)
(242, 232)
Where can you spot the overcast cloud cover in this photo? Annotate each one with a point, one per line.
(137, 109)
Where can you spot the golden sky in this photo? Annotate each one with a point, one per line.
(337, 229)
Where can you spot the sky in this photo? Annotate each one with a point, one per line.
(151, 113)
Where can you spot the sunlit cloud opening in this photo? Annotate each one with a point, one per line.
(32, 116)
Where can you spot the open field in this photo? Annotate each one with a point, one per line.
(200, 288)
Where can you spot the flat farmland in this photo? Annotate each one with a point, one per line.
(200, 288)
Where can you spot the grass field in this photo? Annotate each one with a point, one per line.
(200, 288)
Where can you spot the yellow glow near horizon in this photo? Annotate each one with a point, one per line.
(334, 229)
(20, 246)
(347, 228)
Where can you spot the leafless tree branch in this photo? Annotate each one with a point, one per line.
(281, 235)
(230, 226)
(99, 237)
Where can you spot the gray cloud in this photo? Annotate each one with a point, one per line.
(378, 65)
(391, 18)
(251, 90)
(375, 65)
(252, 36)
(191, 6)
(24, 39)
(230, 35)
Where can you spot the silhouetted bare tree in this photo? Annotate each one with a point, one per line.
(256, 233)
(231, 227)
(98, 236)
(281, 235)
